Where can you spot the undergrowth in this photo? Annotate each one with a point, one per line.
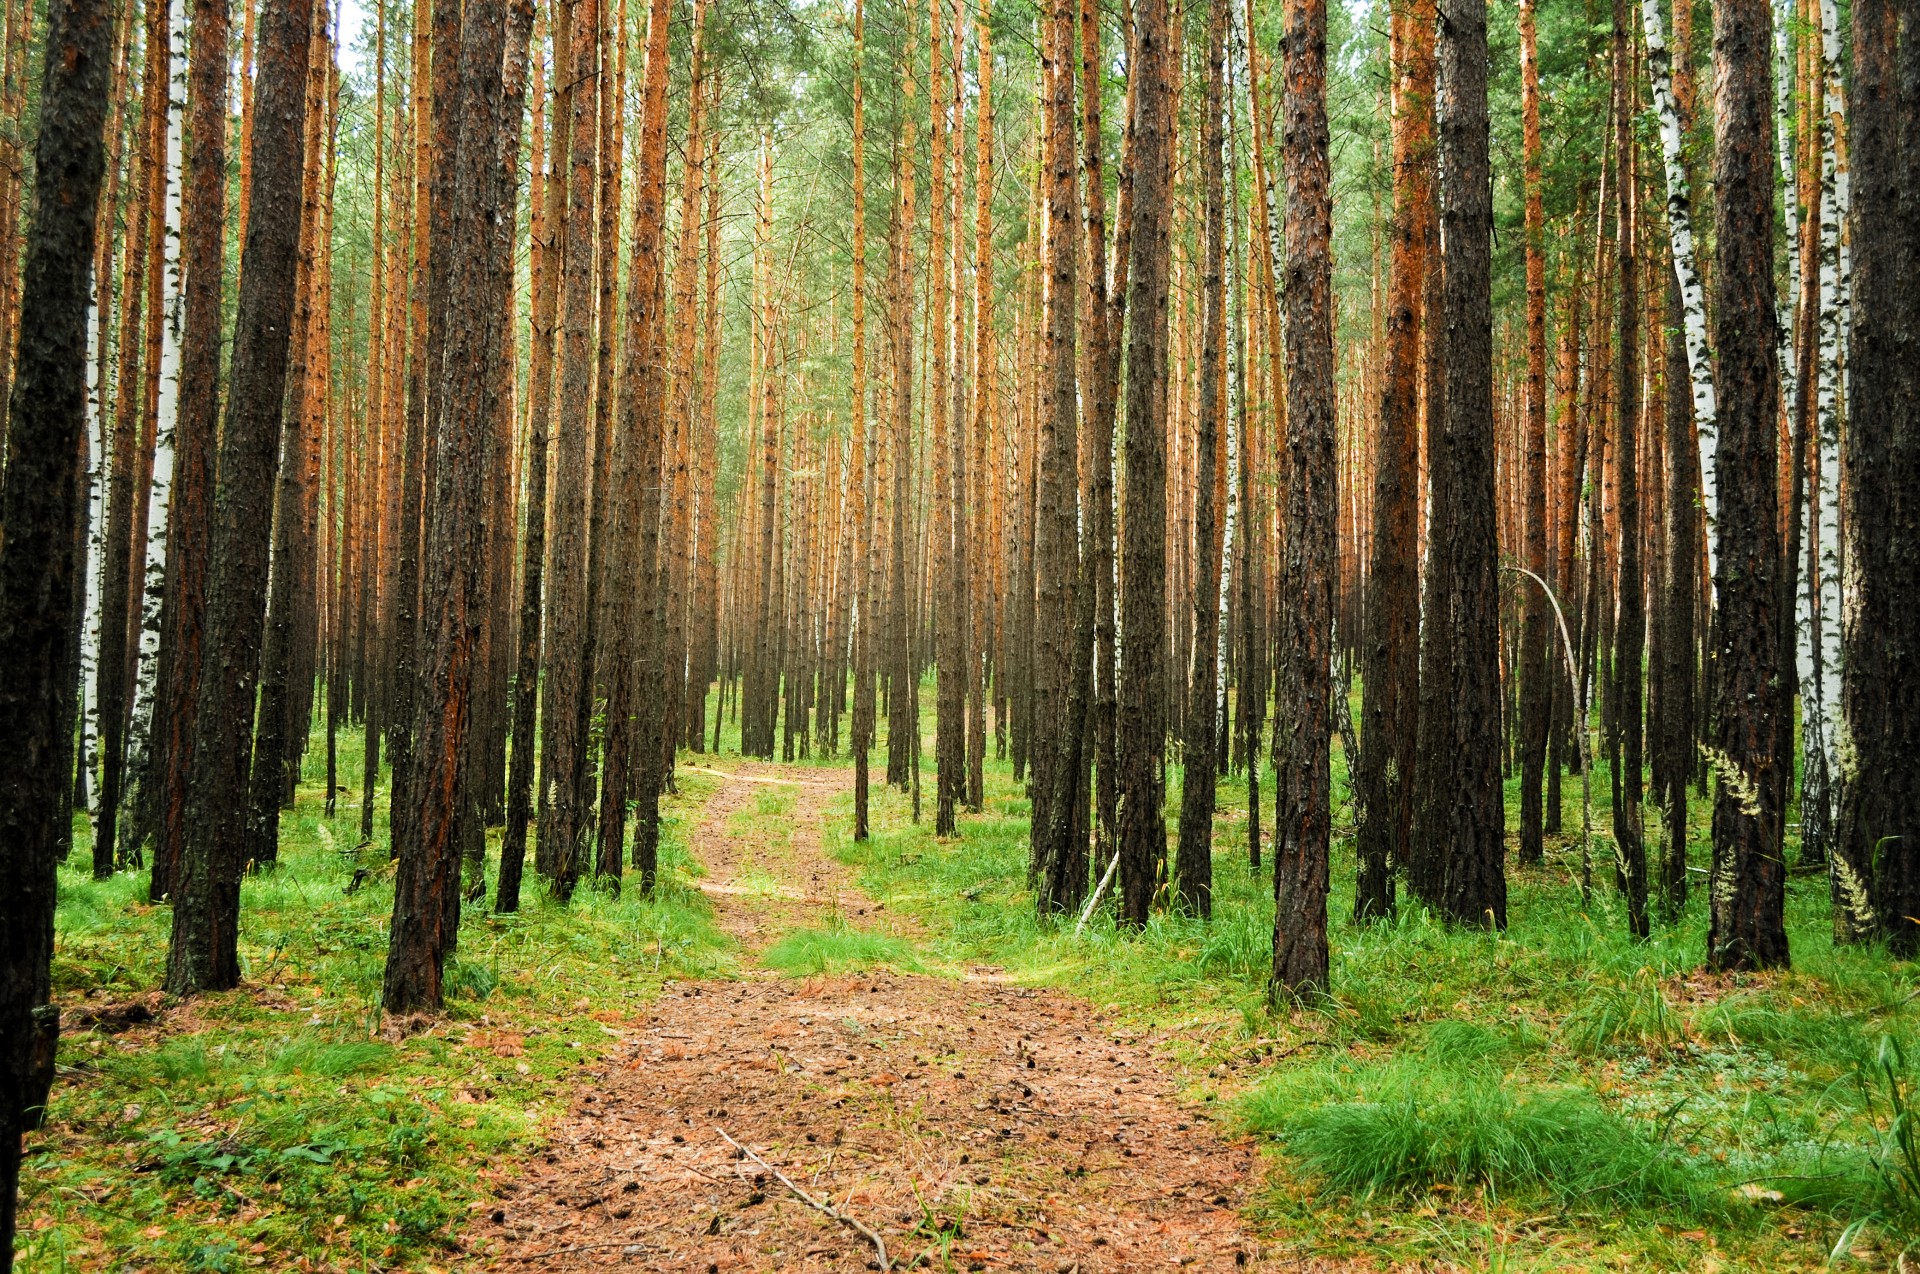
(1554, 1096)
(279, 1125)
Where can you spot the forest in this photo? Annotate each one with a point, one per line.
(670, 633)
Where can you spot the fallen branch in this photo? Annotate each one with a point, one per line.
(632, 1249)
(826, 1209)
(1106, 879)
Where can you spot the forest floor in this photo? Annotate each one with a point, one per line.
(889, 1025)
(962, 1120)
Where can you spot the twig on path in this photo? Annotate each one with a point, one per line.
(632, 1249)
(879, 1244)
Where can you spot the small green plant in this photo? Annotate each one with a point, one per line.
(1887, 1087)
(1636, 1016)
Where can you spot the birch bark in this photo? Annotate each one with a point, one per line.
(1693, 297)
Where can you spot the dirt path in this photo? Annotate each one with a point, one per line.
(969, 1124)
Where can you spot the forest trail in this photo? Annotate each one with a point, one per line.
(970, 1124)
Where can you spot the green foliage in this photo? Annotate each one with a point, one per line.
(279, 1115)
(1634, 1016)
(1408, 1126)
(839, 949)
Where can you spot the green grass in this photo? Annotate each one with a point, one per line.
(275, 1125)
(1409, 1126)
(1554, 1096)
(839, 949)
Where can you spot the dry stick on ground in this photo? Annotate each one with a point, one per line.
(631, 1249)
(826, 1209)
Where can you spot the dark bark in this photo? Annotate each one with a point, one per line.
(203, 955)
(1630, 625)
(526, 686)
(1057, 513)
(564, 685)
(271, 778)
(1877, 840)
(426, 896)
(1193, 860)
(196, 422)
(643, 412)
(1473, 872)
(40, 558)
(1748, 885)
(1142, 713)
(1675, 703)
(1303, 822)
(1536, 667)
(1390, 651)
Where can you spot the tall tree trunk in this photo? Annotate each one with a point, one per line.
(196, 421)
(1877, 785)
(1630, 626)
(1390, 656)
(426, 901)
(1141, 721)
(203, 955)
(1303, 823)
(903, 699)
(548, 235)
(643, 418)
(980, 424)
(859, 474)
(1473, 883)
(565, 683)
(1537, 670)
(1748, 884)
(949, 645)
(1689, 387)
(41, 497)
(1193, 862)
(1057, 516)
(292, 545)
(1102, 345)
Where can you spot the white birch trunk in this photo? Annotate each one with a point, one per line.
(1693, 299)
(1819, 601)
(95, 478)
(154, 576)
(1790, 193)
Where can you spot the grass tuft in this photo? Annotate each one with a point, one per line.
(840, 949)
(1402, 1128)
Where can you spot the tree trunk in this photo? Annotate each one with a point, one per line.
(1877, 788)
(426, 901)
(1536, 670)
(1630, 627)
(1141, 721)
(1390, 657)
(1748, 883)
(859, 474)
(563, 742)
(1057, 514)
(1473, 881)
(292, 545)
(1193, 861)
(547, 235)
(1303, 822)
(41, 498)
(203, 954)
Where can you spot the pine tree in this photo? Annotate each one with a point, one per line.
(40, 497)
